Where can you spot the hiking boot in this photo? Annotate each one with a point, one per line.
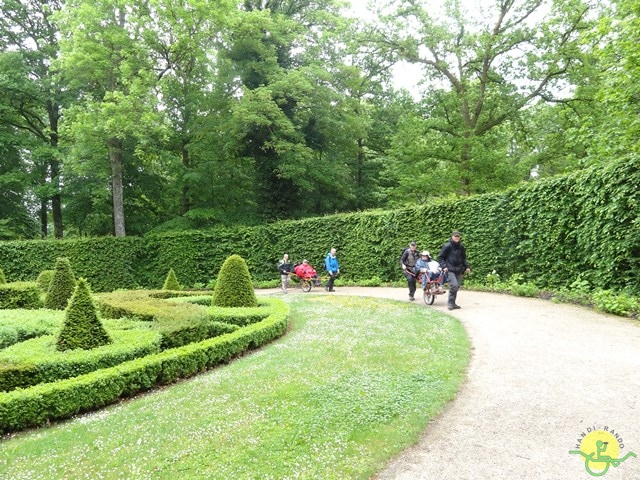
(456, 307)
(411, 298)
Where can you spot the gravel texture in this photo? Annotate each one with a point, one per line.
(541, 374)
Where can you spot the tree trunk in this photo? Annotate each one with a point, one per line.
(44, 222)
(115, 158)
(186, 191)
(56, 203)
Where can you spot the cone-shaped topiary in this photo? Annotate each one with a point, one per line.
(233, 286)
(171, 282)
(3, 279)
(82, 327)
(44, 279)
(61, 286)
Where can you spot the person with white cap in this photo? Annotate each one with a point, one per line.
(429, 271)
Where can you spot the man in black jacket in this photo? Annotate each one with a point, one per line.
(453, 260)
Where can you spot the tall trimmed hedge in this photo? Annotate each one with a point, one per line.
(234, 287)
(82, 327)
(585, 225)
(61, 286)
(171, 282)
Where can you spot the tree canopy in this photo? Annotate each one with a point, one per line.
(121, 118)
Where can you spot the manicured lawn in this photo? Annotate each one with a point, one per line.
(352, 384)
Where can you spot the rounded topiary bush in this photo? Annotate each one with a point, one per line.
(61, 287)
(233, 286)
(44, 279)
(171, 282)
(82, 327)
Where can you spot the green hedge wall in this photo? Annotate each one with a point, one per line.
(585, 225)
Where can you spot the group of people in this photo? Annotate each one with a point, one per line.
(450, 267)
(305, 270)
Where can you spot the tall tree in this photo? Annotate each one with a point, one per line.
(104, 57)
(32, 95)
(285, 124)
(15, 219)
(183, 36)
(614, 128)
(481, 72)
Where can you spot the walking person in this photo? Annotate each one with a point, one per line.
(333, 269)
(285, 267)
(453, 260)
(408, 261)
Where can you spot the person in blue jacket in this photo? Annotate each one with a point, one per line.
(333, 268)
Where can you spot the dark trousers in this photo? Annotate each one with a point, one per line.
(411, 282)
(455, 280)
(332, 278)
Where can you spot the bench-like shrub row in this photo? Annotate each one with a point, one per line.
(20, 295)
(19, 325)
(184, 318)
(176, 335)
(37, 361)
(24, 408)
(149, 306)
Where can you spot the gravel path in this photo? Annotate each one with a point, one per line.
(541, 374)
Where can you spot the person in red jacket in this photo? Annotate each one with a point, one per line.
(304, 270)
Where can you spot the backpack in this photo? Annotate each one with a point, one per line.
(402, 254)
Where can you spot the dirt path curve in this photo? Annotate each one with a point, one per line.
(541, 374)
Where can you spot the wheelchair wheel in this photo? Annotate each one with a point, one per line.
(306, 285)
(428, 295)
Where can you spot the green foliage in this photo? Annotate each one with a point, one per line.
(171, 282)
(234, 287)
(44, 279)
(37, 360)
(616, 303)
(493, 278)
(20, 409)
(2, 277)
(19, 325)
(82, 327)
(581, 225)
(20, 295)
(62, 285)
(149, 306)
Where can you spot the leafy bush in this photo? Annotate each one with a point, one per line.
(20, 325)
(234, 287)
(20, 295)
(82, 327)
(62, 285)
(618, 304)
(149, 306)
(37, 360)
(173, 335)
(171, 282)
(3, 279)
(44, 279)
(38, 405)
